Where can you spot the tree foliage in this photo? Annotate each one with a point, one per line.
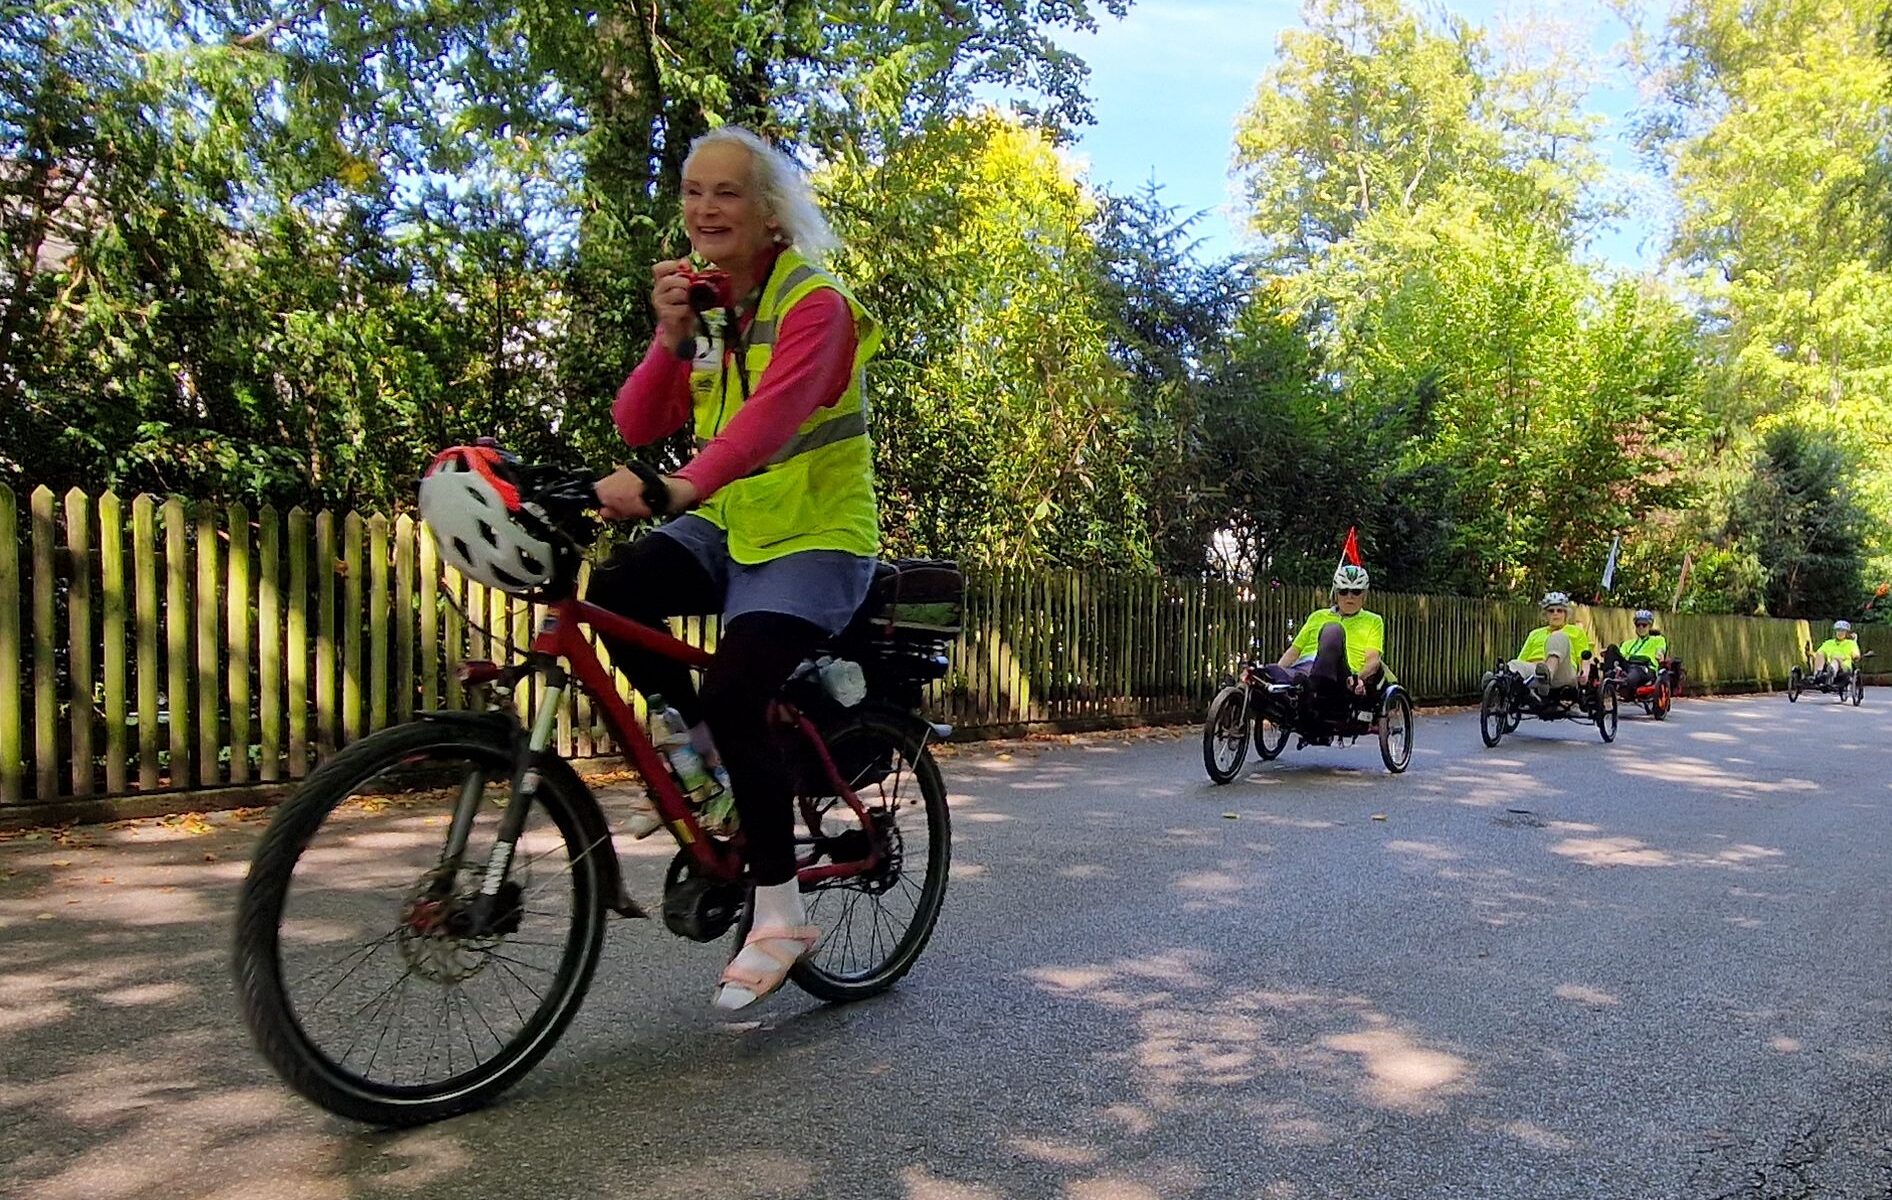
(264, 250)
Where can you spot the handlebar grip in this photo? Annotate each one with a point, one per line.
(656, 491)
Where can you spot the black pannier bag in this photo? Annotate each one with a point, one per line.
(919, 598)
(914, 610)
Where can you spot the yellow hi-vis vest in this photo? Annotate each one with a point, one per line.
(817, 492)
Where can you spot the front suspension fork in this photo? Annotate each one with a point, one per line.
(525, 785)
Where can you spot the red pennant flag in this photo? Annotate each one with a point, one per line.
(1350, 553)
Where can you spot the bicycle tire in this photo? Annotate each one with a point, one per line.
(256, 962)
(879, 733)
(1396, 711)
(1218, 732)
(1493, 714)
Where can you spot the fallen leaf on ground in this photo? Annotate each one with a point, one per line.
(1231, 816)
(1379, 816)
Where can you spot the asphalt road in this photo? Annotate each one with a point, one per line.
(1553, 969)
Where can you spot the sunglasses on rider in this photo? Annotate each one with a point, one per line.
(1349, 591)
(1644, 624)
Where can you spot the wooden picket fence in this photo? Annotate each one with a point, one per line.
(162, 646)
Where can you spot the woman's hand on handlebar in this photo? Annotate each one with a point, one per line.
(621, 495)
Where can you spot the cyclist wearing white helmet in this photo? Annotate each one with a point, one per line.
(1553, 653)
(1836, 654)
(1643, 654)
(1338, 649)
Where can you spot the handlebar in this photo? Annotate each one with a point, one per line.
(569, 498)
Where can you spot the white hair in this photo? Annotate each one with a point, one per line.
(783, 189)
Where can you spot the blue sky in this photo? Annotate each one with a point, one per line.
(1169, 80)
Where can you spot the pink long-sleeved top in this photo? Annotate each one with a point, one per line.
(809, 368)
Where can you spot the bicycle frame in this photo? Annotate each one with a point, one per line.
(561, 636)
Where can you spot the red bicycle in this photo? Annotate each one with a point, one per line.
(423, 917)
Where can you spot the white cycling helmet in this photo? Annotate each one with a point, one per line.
(1842, 627)
(1348, 575)
(1555, 600)
(469, 497)
(1643, 614)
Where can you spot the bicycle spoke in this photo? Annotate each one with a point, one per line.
(403, 1007)
(519, 962)
(371, 947)
(521, 981)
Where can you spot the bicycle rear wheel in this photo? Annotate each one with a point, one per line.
(873, 926)
(369, 979)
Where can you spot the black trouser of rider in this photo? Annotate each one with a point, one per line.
(1328, 673)
(657, 577)
(1638, 674)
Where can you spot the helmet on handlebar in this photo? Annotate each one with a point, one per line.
(490, 529)
(1349, 575)
(1842, 627)
(1555, 600)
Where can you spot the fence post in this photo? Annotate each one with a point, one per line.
(269, 642)
(326, 739)
(353, 714)
(45, 685)
(209, 711)
(177, 640)
(12, 748)
(296, 643)
(404, 617)
(112, 594)
(377, 622)
(237, 619)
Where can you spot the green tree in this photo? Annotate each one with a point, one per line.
(1804, 519)
(1003, 427)
(1502, 409)
(1773, 127)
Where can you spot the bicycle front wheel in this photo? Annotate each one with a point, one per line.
(873, 926)
(371, 977)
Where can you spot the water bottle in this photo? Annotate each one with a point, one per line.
(844, 680)
(667, 731)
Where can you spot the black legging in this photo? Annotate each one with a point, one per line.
(656, 577)
(1328, 671)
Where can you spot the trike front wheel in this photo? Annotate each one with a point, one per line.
(1396, 730)
(1225, 734)
(1494, 714)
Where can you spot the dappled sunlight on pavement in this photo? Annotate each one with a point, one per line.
(1196, 1037)
(1558, 969)
(1633, 852)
